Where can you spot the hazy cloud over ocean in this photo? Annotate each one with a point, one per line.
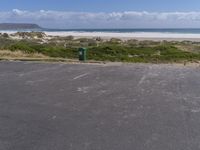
(127, 19)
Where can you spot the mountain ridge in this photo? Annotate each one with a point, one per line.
(18, 26)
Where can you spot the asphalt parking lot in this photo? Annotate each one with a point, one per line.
(46, 106)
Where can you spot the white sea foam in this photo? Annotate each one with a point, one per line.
(6, 31)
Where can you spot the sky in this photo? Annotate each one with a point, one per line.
(103, 13)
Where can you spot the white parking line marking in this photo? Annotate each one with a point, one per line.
(80, 76)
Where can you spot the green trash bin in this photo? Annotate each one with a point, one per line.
(82, 54)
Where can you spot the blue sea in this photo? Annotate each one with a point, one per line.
(177, 30)
(146, 30)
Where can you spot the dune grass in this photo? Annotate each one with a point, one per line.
(113, 50)
(18, 54)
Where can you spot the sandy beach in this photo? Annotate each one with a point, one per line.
(133, 35)
(154, 36)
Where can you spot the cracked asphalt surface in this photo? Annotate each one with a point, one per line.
(46, 106)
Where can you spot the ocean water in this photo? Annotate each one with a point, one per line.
(178, 30)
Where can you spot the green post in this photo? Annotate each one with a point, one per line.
(82, 54)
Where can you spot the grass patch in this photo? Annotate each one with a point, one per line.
(19, 54)
(113, 50)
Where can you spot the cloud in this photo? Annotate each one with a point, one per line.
(127, 19)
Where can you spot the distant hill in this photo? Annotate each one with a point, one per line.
(18, 26)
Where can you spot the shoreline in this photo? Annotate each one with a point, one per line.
(141, 36)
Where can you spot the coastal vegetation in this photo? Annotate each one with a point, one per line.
(38, 44)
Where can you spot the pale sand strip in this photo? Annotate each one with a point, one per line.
(155, 36)
(126, 36)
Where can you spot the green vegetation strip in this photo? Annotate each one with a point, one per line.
(115, 50)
